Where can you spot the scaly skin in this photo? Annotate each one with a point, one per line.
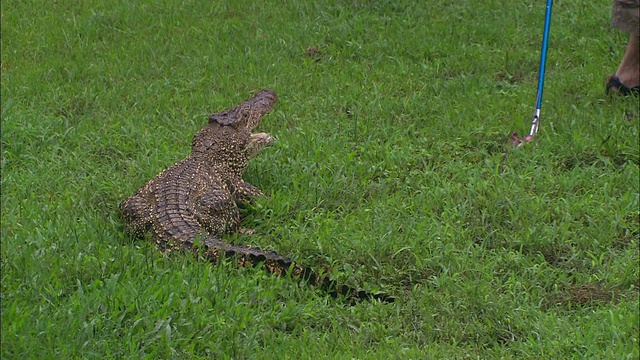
(191, 204)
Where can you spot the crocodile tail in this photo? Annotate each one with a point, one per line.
(216, 249)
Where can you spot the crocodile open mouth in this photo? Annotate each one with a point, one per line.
(257, 142)
(262, 138)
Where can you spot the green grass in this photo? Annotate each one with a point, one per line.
(391, 168)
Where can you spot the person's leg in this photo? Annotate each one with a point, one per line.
(629, 70)
(625, 16)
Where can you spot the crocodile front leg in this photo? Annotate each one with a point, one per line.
(244, 192)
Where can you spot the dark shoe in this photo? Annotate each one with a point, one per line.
(615, 86)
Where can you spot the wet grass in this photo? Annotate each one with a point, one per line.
(392, 169)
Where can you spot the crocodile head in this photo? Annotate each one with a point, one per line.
(248, 113)
(227, 138)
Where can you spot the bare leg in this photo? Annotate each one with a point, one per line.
(629, 70)
(625, 16)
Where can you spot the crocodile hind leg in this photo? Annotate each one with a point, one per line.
(135, 212)
(216, 210)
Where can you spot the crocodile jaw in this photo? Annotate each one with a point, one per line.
(257, 142)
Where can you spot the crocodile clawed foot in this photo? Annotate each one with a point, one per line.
(246, 231)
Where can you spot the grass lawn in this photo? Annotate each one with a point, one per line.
(391, 169)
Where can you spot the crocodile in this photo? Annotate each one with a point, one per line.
(192, 204)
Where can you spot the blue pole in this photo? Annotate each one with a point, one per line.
(543, 62)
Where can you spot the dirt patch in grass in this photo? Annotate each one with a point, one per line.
(510, 78)
(569, 296)
(557, 255)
